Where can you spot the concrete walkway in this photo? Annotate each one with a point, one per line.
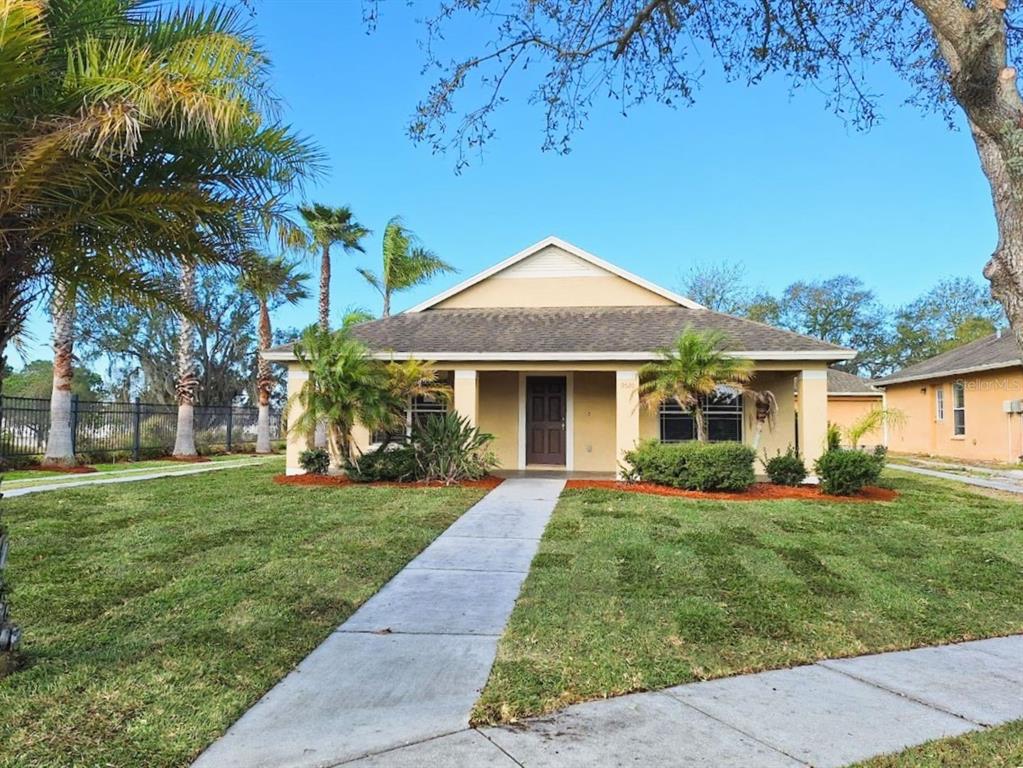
(827, 714)
(996, 482)
(128, 476)
(409, 664)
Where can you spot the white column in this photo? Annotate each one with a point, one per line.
(626, 413)
(812, 385)
(298, 440)
(466, 401)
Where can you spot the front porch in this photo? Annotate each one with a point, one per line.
(550, 420)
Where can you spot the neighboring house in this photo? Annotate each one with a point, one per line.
(965, 403)
(850, 398)
(543, 351)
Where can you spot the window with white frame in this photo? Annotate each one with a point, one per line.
(939, 403)
(958, 409)
(722, 413)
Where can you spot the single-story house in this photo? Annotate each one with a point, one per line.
(966, 403)
(850, 398)
(543, 351)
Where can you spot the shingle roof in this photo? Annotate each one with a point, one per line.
(566, 330)
(842, 383)
(994, 351)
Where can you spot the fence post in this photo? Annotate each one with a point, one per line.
(74, 425)
(136, 430)
(230, 425)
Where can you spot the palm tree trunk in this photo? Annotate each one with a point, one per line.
(60, 447)
(264, 381)
(187, 381)
(387, 302)
(701, 425)
(325, 289)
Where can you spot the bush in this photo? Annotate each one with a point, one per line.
(315, 461)
(693, 466)
(833, 437)
(448, 448)
(845, 472)
(785, 468)
(391, 463)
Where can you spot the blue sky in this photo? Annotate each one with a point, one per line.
(749, 174)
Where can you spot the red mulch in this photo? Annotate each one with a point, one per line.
(187, 459)
(82, 469)
(756, 492)
(486, 483)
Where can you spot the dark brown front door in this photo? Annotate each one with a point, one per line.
(545, 420)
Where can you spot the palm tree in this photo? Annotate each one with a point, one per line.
(59, 440)
(346, 386)
(406, 263)
(328, 227)
(274, 282)
(697, 365)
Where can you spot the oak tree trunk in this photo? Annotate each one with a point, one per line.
(264, 381)
(60, 447)
(187, 381)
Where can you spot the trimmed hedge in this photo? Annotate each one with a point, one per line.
(315, 461)
(846, 472)
(785, 468)
(693, 466)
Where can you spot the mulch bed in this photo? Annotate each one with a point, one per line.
(336, 481)
(756, 492)
(82, 469)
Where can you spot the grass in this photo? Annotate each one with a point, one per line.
(631, 592)
(157, 612)
(1000, 747)
(19, 478)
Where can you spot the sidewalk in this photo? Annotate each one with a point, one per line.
(410, 663)
(129, 476)
(1006, 481)
(827, 714)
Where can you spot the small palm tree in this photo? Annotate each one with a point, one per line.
(328, 227)
(273, 282)
(695, 366)
(873, 420)
(406, 263)
(346, 386)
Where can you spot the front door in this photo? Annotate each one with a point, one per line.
(545, 420)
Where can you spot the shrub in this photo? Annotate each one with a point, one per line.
(448, 448)
(785, 468)
(693, 466)
(845, 472)
(315, 461)
(391, 463)
(833, 437)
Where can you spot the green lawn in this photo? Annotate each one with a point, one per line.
(631, 592)
(156, 612)
(20, 478)
(1000, 747)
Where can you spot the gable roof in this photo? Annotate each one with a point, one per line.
(579, 253)
(844, 384)
(571, 334)
(989, 353)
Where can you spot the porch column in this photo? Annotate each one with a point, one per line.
(297, 440)
(626, 414)
(467, 395)
(812, 385)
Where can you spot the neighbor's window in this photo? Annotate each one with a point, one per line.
(958, 409)
(722, 411)
(939, 403)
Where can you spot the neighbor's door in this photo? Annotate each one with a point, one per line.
(545, 420)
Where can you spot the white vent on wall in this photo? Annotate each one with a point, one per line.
(553, 262)
(1013, 406)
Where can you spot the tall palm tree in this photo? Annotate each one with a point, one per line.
(406, 263)
(346, 386)
(329, 227)
(274, 282)
(60, 440)
(695, 366)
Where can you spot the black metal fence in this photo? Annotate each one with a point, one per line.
(134, 428)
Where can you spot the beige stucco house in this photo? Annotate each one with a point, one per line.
(966, 403)
(543, 351)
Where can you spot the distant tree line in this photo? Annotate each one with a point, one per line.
(843, 310)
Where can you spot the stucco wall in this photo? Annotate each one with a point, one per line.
(594, 421)
(499, 413)
(991, 434)
(846, 410)
(776, 439)
(609, 291)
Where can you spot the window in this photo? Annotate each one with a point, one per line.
(939, 403)
(723, 414)
(420, 410)
(958, 409)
